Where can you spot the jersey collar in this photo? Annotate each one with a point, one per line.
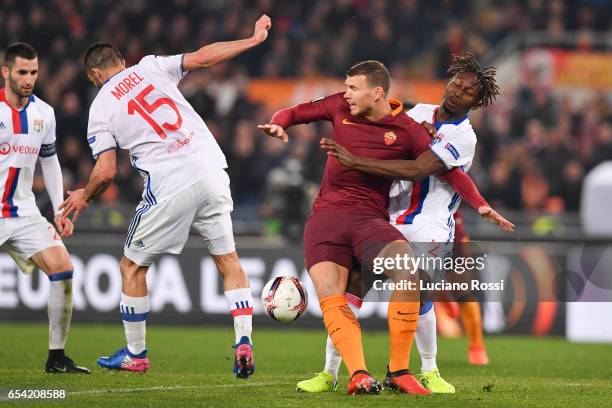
(438, 125)
(3, 99)
(111, 77)
(396, 105)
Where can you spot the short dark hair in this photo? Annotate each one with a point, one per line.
(486, 76)
(375, 72)
(20, 49)
(101, 55)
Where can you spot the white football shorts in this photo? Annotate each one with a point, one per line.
(426, 231)
(429, 241)
(162, 228)
(23, 237)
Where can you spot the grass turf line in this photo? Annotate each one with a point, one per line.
(192, 367)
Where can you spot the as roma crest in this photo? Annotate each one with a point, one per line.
(390, 138)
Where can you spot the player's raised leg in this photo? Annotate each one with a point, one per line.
(213, 222)
(55, 262)
(134, 308)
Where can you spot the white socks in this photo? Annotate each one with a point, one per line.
(134, 313)
(59, 309)
(425, 338)
(332, 357)
(241, 305)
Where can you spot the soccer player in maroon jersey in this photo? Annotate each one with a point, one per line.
(350, 215)
(471, 87)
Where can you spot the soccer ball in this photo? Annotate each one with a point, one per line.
(284, 298)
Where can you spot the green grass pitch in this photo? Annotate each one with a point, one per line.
(192, 367)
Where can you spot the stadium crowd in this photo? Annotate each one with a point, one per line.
(535, 145)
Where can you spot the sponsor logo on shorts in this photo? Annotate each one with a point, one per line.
(2, 126)
(345, 121)
(91, 139)
(139, 244)
(390, 138)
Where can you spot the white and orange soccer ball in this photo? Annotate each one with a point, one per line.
(284, 298)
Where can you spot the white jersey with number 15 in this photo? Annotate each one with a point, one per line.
(141, 109)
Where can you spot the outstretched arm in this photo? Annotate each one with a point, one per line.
(319, 109)
(221, 51)
(463, 184)
(101, 177)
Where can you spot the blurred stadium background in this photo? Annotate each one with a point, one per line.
(550, 127)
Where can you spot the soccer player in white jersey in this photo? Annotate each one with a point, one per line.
(27, 135)
(141, 109)
(423, 210)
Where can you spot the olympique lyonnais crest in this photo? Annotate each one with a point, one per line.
(38, 125)
(390, 138)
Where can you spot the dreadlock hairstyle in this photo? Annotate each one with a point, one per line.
(486, 76)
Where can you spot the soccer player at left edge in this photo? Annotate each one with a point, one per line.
(141, 109)
(27, 135)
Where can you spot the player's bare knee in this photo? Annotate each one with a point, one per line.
(125, 264)
(329, 278)
(64, 263)
(53, 260)
(399, 253)
(325, 288)
(129, 269)
(227, 263)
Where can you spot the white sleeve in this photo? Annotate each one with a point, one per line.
(171, 66)
(47, 148)
(99, 136)
(456, 149)
(52, 174)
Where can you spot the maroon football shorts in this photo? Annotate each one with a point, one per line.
(339, 236)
